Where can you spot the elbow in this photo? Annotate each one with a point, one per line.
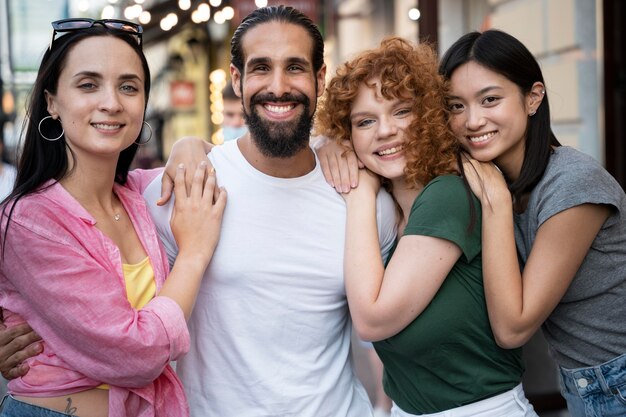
(511, 339)
(371, 333)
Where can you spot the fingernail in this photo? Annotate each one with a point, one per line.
(353, 184)
(212, 170)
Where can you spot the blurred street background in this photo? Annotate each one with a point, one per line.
(580, 45)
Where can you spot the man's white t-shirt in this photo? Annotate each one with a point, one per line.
(270, 330)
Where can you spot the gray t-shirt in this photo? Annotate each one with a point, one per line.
(588, 326)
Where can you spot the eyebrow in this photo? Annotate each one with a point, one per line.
(479, 93)
(359, 114)
(94, 74)
(290, 60)
(397, 102)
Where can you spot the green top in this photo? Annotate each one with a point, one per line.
(447, 357)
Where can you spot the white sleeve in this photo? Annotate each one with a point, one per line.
(161, 217)
(386, 217)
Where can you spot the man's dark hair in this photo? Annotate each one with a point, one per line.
(283, 14)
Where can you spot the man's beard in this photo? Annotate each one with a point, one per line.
(279, 139)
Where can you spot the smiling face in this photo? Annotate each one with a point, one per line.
(279, 87)
(489, 116)
(378, 130)
(100, 97)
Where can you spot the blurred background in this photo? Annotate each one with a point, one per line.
(580, 44)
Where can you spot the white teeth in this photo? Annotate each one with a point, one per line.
(481, 138)
(106, 126)
(279, 109)
(391, 151)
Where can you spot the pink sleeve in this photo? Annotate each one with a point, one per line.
(79, 307)
(138, 179)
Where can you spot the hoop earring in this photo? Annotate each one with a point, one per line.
(149, 137)
(44, 136)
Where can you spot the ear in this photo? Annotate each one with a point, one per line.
(51, 104)
(535, 97)
(235, 77)
(320, 79)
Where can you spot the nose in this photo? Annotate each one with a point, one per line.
(474, 119)
(110, 101)
(387, 128)
(278, 84)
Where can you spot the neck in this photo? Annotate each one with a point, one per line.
(91, 185)
(405, 197)
(295, 166)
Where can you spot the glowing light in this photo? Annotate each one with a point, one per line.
(218, 76)
(228, 12)
(414, 14)
(133, 12)
(204, 12)
(260, 3)
(219, 17)
(169, 21)
(184, 4)
(83, 5)
(107, 12)
(215, 3)
(145, 17)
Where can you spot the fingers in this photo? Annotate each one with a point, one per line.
(167, 184)
(180, 192)
(353, 169)
(18, 371)
(198, 182)
(220, 202)
(17, 344)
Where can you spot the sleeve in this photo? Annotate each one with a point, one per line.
(80, 308)
(386, 218)
(573, 180)
(161, 217)
(444, 210)
(139, 179)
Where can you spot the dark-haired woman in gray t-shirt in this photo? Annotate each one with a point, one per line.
(569, 222)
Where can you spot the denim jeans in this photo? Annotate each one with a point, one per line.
(596, 391)
(10, 407)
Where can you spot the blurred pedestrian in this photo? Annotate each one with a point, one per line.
(234, 124)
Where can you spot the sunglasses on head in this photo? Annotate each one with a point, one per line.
(79, 23)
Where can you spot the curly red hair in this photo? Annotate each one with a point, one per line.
(406, 71)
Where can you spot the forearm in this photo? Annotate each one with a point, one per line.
(363, 266)
(184, 280)
(502, 276)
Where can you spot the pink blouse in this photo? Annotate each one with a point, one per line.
(64, 277)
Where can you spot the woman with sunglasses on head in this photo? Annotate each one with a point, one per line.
(564, 211)
(81, 261)
(425, 309)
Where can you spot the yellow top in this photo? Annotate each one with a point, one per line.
(140, 287)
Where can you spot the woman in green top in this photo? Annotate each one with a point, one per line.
(426, 310)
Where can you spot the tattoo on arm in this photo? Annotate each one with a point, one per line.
(69, 409)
